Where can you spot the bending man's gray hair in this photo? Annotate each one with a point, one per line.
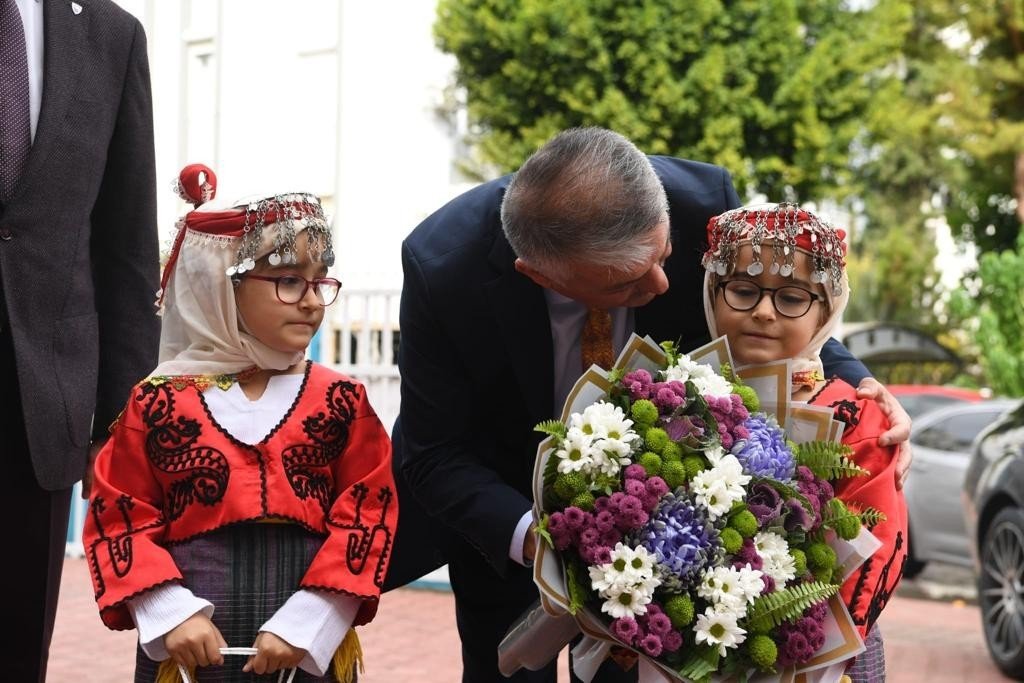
(587, 195)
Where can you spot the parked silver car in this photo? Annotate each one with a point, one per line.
(941, 440)
(994, 512)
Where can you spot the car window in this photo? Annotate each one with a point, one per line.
(956, 432)
(918, 404)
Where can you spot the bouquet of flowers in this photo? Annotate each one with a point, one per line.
(682, 522)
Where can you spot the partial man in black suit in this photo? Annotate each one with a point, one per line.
(498, 285)
(78, 274)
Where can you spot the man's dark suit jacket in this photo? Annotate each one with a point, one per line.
(78, 245)
(477, 375)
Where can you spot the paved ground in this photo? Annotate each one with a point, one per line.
(932, 633)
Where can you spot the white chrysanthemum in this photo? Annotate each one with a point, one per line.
(718, 628)
(704, 378)
(774, 552)
(610, 456)
(721, 586)
(713, 495)
(629, 603)
(709, 383)
(605, 420)
(714, 453)
(751, 582)
(626, 583)
(721, 486)
(576, 453)
(682, 370)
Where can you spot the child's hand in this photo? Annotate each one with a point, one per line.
(195, 642)
(272, 655)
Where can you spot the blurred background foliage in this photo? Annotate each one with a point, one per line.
(904, 113)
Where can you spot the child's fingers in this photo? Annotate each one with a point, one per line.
(211, 649)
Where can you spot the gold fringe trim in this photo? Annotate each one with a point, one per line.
(348, 655)
(168, 672)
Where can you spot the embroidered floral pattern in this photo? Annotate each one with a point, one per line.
(306, 464)
(171, 447)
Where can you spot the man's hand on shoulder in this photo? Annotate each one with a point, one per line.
(898, 433)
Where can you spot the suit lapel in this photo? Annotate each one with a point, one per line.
(64, 37)
(522, 316)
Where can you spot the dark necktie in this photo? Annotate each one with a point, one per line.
(596, 340)
(15, 126)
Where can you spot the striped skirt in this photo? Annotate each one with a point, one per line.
(869, 666)
(247, 571)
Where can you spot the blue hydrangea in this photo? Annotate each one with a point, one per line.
(681, 538)
(764, 453)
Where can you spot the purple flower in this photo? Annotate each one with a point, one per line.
(764, 452)
(651, 645)
(672, 641)
(681, 538)
(635, 472)
(769, 584)
(764, 503)
(634, 487)
(797, 516)
(611, 537)
(589, 536)
(747, 555)
(658, 624)
(796, 649)
(666, 399)
(574, 517)
(625, 629)
(813, 631)
(679, 428)
(638, 383)
(818, 611)
(604, 520)
(595, 553)
(656, 486)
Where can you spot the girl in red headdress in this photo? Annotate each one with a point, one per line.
(245, 497)
(776, 286)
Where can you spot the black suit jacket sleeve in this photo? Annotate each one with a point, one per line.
(838, 361)
(124, 248)
(445, 452)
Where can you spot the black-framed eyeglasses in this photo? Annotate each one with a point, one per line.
(790, 301)
(291, 288)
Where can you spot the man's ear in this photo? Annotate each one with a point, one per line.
(534, 274)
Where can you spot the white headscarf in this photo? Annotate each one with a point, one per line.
(201, 333)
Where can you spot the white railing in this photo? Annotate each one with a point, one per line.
(359, 337)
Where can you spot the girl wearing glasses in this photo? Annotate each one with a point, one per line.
(245, 497)
(776, 286)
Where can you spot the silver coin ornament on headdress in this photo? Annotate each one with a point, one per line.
(291, 214)
(789, 228)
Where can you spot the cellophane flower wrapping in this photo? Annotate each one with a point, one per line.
(682, 524)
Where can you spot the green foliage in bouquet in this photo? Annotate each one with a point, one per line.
(786, 604)
(828, 460)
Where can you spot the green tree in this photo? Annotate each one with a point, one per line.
(997, 307)
(775, 91)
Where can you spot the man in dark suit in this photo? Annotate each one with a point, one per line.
(499, 286)
(78, 273)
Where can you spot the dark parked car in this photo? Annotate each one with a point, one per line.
(942, 439)
(994, 514)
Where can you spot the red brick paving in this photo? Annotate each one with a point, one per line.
(414, 639)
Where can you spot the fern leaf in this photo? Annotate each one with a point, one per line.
(578, 582)
(701, 663)
(869, 517)
(553, 428)
(768, 611)
(828, 460)
(616, 374)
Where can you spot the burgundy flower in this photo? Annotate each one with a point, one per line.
(765, 503)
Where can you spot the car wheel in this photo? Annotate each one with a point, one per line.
(912, 567)
(1001, 590)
